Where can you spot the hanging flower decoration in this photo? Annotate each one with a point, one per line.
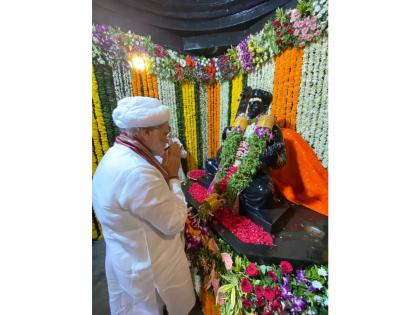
(292, 28)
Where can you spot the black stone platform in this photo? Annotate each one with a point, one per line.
(302, 238)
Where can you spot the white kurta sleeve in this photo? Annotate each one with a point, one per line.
(146, 194)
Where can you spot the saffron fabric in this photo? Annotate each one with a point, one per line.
(303, 180)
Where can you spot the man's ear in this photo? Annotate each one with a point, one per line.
(144, 134)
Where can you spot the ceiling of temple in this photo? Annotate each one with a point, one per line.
(202, 27)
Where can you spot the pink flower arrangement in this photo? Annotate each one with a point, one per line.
(198, 192)
(227, 260)
(286, 267)
(196, 174)
(244, 229)
(305, 29)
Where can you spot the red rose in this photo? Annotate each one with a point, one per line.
(269, 294)
(276, 24)
(289, 31)
(246, 303)
(259, 291)
(246, 286)
(252, 270)
(272, 275)
(286, 267)
(286, 24)
(275, 305)
(260, 302)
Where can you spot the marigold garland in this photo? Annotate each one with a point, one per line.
(98, 113)
(286, 87)
(213, 100)
(136, 82)
(237, 87)
(97, 147)
(188, 101)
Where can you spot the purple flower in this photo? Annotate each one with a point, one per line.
(298, 304)
(245, 56)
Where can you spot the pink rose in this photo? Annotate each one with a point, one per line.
(260, 302)
(296, 24)
(317, 33)
(272, 275)
(305, 31)
(246, 286)
(227, 260)
(312, 26)
(269, 294)
(286, 267)
(246, 303)
(267, 312)
(259, 291)
(296, 33)
(252, 270)
(275, 305)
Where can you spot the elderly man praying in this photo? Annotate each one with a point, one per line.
(141, 207)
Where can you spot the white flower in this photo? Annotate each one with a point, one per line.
(317, 285)
(318, 299)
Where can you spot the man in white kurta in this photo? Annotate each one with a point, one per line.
(142, 213)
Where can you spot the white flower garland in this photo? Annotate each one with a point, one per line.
(204, 121)
(224, 106)
(126, 79)
(263, 78)
(167, 96)
(118, 82)
(312, 114)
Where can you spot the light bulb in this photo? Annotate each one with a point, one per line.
(138, 63)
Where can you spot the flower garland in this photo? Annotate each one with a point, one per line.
(188, 101)
(292, 28)
(98, 115)
(94, 158)
(118, 82)
(237, 87)
(244, 287)
(198, 124)
(204, 121)
(167, 96)
(286, 87)
(224, 107)
(97, 147)
(100, 74)
(247, 169)
(135, 83)
(263, 77)
(126, 75)
(312, 121)
(111, 103)
(230, 147)
(213, 101)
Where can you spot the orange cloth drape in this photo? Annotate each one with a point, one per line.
(303, 180)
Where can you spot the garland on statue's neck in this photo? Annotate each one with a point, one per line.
(236, 171)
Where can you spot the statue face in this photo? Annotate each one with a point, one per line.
(254, 109)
